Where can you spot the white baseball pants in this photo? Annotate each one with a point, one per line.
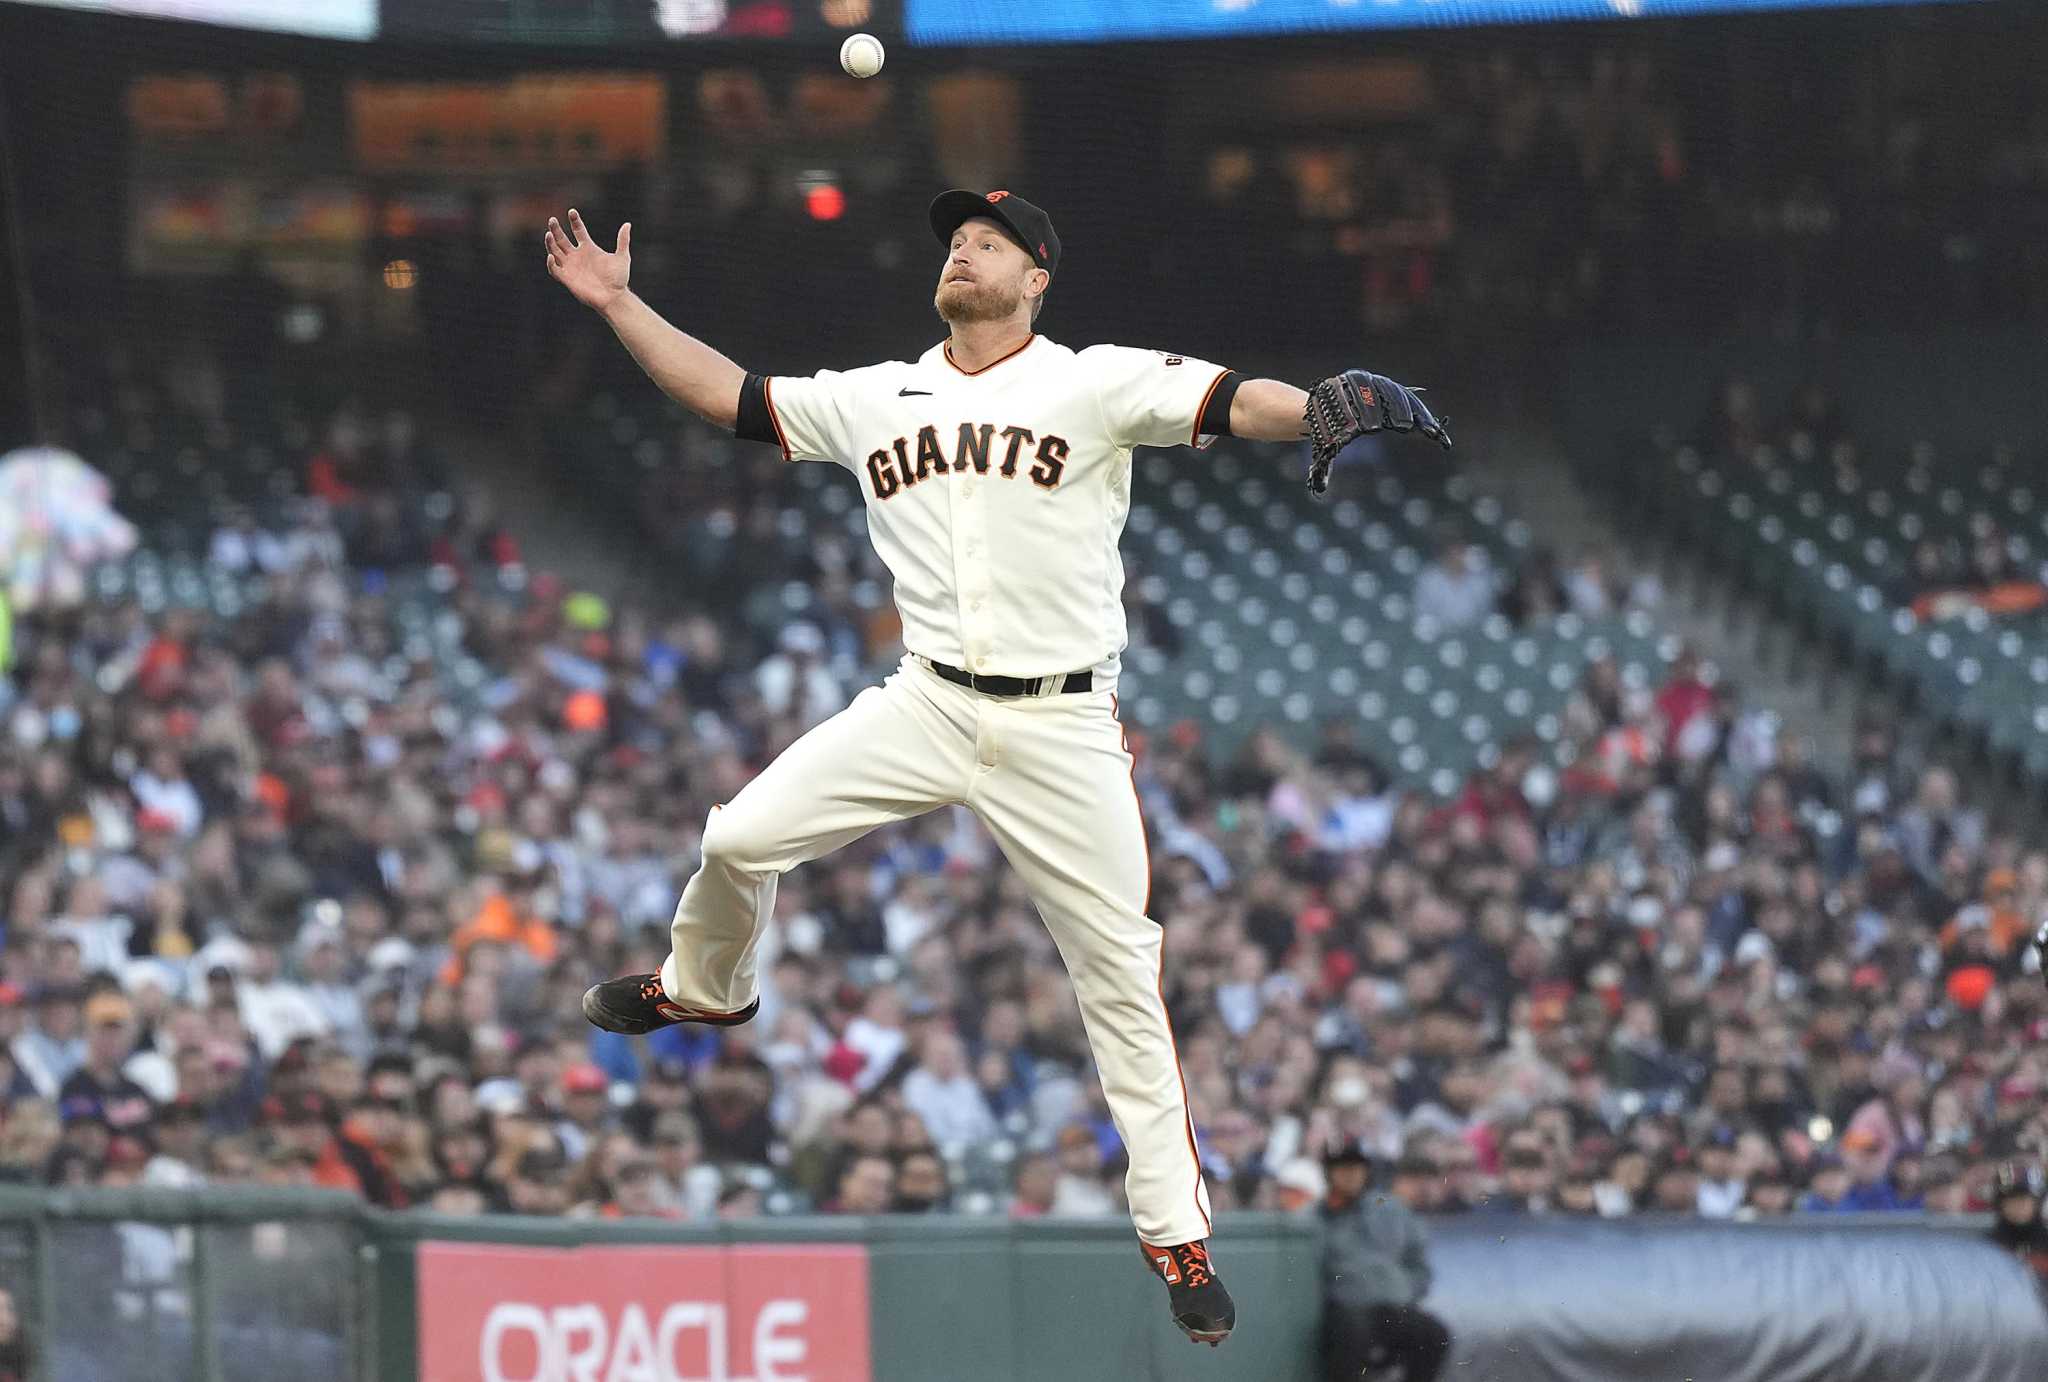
(1050, 777)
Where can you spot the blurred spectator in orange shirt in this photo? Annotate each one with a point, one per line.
(1998, 915)
(505, 918)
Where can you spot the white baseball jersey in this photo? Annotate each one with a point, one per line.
(996, 498)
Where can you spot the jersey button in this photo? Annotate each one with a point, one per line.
(981, 664)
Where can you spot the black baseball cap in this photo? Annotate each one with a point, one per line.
(1346, 1153)
(1028, 225)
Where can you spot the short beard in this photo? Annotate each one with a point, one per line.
(974, 303)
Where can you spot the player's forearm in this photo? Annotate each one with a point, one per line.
(1268, 410)
(690, 372)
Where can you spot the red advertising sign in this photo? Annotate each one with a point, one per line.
(493, 1313)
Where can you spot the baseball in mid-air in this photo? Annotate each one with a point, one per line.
(861, 55)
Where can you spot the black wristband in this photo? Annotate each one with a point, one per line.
(1215, 419)
(753, 421)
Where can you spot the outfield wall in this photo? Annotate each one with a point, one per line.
(312, 1286)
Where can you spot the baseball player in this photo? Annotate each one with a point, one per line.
(996, 470)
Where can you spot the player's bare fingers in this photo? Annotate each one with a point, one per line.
(576, 225)
(563, 244)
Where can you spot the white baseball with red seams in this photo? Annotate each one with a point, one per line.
(996, 499)
(861, 55)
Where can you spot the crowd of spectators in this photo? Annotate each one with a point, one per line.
(283, 904)
(1459, 586)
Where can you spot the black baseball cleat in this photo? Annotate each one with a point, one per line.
(1201, 1307)
(636, 1004)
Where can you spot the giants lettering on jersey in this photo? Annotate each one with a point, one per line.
(987, 577)
(905, 463)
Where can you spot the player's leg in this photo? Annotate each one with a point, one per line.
(1349, 1353)
(896, 752)
(1060, 802)
(1417, 1339)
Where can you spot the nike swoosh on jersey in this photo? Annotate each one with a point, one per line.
(908, 393)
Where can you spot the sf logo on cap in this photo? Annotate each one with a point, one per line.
(997, 196)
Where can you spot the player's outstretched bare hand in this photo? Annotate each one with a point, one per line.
(597, 277)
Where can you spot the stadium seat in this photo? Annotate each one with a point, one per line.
(1833, 554)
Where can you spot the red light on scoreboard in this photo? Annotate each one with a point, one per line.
(825, 202)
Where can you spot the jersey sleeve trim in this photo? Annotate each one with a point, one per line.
(1212, 419)
(753, 421)
(768, 400)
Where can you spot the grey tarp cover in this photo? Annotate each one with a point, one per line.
(1590, 1301)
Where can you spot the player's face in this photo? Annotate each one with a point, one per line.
(984, 276)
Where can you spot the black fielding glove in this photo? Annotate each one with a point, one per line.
(1346, 406)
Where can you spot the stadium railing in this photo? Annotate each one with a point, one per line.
(112, 1285)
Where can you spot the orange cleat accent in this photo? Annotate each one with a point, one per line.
(1201, 1307)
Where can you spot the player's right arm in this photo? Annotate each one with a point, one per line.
(690, 372)
(806, 416)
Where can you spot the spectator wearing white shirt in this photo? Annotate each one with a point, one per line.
(1238, 1001)
(1721, 1189)
(1360, 815)
(943, 1092)
(238, 545)
(163, 789)
(631, 874)
(323, 967)
(1457, 589)
(180, 1137)
(796, 681)
(87, 921)
(54, 1044)
(678, 1152)
(1589, 586)
(174, 1031)
(1079, 1192)
(276, 1011)
(157, 858)
(877, 1036)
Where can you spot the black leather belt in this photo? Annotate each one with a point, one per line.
(1014, 686)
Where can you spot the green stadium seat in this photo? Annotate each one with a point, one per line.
(1832, 551)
